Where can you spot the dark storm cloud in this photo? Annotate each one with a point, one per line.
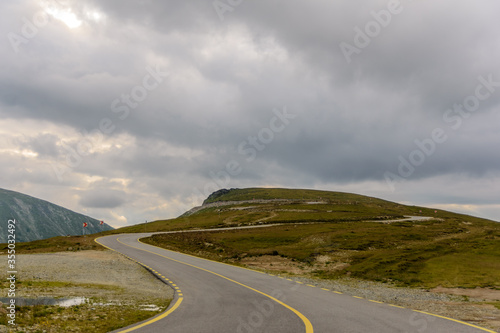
(354, 119)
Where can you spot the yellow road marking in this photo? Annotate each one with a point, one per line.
(455, 320)
(299, 282)
(310, 285)
(307, 323)
(357, 297)
(325, 289)
(337, 292)
(163, 315)
(371, 300)
(396, 306)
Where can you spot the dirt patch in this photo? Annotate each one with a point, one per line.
(273, 215)
(88, 267)
(282, 264)
(274, 263)
(323, 259)
(241, 208)
(483, 293)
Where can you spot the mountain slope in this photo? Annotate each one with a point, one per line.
(335, 234)
(40, 219)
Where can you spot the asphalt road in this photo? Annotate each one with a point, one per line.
(215, 297)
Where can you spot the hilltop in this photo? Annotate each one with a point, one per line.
(333, 234)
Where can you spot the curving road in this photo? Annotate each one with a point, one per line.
(215, 297)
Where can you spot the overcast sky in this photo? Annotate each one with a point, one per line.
(137, 110)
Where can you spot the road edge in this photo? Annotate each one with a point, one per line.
(171, 308)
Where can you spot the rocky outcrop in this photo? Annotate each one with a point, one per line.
(216, 194)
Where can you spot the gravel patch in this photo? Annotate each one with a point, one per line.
(117, 292)
(89, 267)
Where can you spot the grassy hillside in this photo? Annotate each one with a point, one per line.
(346, 236)
(268, 205)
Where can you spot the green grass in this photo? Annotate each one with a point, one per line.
(467, 270)
(56, 244)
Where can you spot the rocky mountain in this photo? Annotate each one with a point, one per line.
(217, 194)
(40, 219)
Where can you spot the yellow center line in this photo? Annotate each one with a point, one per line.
(455, 320)
(307, 323)
(163, 315)
(371, 300)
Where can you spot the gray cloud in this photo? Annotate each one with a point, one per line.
(102, 198)
(42, 144)
(353, 120)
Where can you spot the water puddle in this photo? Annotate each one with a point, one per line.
(149, 307)
(64, 302)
